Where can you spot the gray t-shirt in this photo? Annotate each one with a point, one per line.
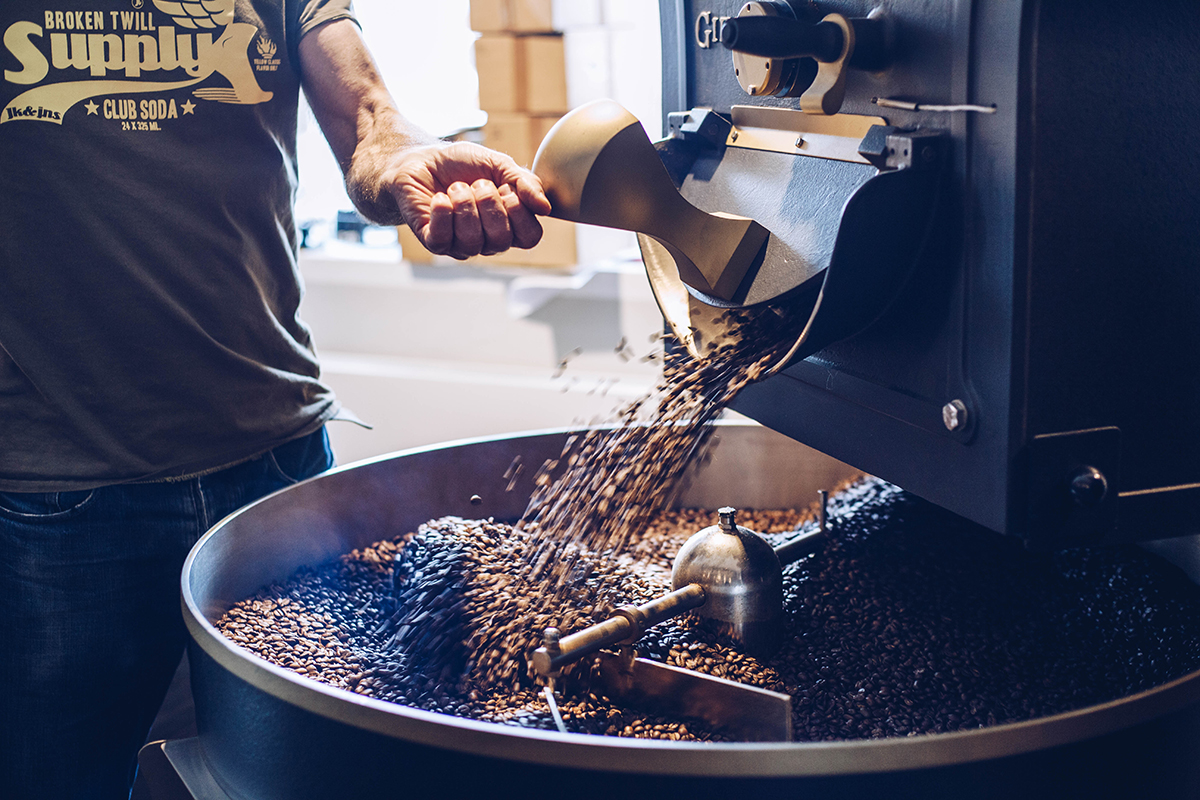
(148, 281)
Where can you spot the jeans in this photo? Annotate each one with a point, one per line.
(90, 622)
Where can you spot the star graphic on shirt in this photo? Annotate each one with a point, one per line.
(91, 107)
(189, 107)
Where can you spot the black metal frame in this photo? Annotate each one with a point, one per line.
(1059, 323)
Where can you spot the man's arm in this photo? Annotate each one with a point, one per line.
(460, 199)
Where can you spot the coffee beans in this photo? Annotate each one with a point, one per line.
(469, 599)
(909, 621)
(609, 482)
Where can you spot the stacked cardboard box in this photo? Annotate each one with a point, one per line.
(538, 59)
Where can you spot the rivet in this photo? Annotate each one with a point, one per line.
(954, 415)
(1089, 487)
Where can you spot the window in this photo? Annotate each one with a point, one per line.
(424, 51)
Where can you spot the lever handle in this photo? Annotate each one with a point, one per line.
(628, 623)
(598, 167)
(782, 37)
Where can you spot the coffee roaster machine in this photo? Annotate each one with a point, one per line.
(988, 214)
(995, 234)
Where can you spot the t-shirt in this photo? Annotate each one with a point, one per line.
(148, 280)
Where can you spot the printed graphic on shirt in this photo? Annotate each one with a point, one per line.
(128, 52)
(267, 61)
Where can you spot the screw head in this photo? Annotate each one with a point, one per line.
(954, 415)
(727, 519)
(551, 637)
(1089, 487)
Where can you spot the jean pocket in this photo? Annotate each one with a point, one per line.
(35, 506)
(301, 458)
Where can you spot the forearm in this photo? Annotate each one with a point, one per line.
(381, 134)
(460, 199)
(358, 116)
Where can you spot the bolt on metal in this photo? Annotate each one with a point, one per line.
(954, 415)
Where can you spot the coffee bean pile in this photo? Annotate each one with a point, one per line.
(586, 508)
(470, 599)
(909, 621)
(914, 621)
(461, 609)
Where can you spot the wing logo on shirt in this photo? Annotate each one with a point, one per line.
(203, 40)
(233, 48)
(205, 14)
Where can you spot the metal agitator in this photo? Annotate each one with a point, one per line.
(267, 732)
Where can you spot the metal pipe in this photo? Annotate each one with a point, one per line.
(780, 37)
(627, 625)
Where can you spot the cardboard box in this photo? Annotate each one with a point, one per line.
(519, 135)
(545, 16)
(512, 134)
(532, 16)
(545, 72)
(539, 127)
(489, 15)
(500, 60)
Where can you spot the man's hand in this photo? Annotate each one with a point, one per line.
(461, 200)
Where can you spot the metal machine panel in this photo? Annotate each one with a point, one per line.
(1059, 289)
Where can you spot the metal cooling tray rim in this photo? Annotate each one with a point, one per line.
(572, 750)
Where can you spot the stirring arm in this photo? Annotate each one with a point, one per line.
(627, 624)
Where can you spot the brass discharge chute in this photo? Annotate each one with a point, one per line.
(832, 212)
(599, 167)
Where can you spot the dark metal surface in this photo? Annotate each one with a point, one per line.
(1060, 292)
(267, 732)
(782, 38)
(748, 713)
(175, 770)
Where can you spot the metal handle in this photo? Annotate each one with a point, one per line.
(626, 625)
(783, 37)
(780, 37)
(803, 545)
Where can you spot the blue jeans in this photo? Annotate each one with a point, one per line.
(90, 622)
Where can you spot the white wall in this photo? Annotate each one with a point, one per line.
(437, 353)
(432, 354)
